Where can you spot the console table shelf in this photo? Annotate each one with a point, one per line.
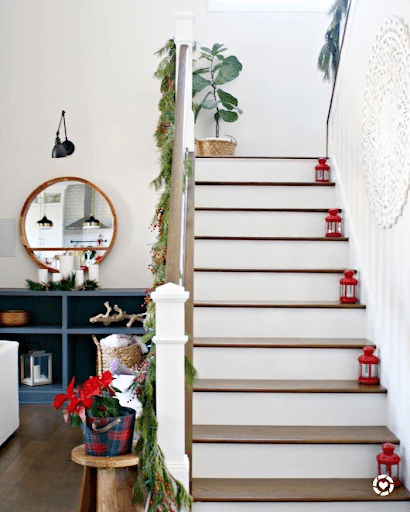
(59, 323)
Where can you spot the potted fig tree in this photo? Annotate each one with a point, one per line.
(219, 71)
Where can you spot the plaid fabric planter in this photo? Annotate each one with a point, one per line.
(108, 437)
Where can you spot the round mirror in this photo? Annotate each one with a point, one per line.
(67, 215)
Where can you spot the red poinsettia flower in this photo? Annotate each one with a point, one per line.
(81, 398)
(60, 399)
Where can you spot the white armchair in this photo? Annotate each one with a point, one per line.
(9, 398)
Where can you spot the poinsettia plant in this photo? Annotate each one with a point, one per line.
(96, 396)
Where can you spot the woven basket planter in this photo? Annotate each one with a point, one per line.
(215, 147)
(128, 356)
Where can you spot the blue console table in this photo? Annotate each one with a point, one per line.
(59, 323)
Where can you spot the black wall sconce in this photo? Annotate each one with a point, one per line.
(62, 149)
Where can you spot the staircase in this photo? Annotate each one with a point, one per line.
(280, 422)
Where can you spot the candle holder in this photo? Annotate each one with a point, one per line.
(36, 368)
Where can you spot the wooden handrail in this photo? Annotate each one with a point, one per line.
(180, 245)
(335, 80)
(173, 270)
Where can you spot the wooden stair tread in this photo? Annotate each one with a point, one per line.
(275, 238)
(284, 386)
(266, 434)
(286, 210)
(282, 342)
(275, 270)
(265, 183)
(259, 157)
(290, 490)
(277, 304)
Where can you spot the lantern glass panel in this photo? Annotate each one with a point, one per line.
(365, 370)
(349, 291)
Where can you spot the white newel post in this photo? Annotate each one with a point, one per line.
(170, 342)
(184, 22)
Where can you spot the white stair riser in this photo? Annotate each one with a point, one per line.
(354, 506)
(235, 196)
(326, 409)
(279, 322)
(260, 223)
(266, 286)
(255, 170)
(216, 460)
(270, 254)
(279, 363)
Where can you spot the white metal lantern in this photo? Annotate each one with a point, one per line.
(36, 368)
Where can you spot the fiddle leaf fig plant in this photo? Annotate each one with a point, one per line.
(219, 71)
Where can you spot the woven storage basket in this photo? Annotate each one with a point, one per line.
(215, 147)
(128, 356)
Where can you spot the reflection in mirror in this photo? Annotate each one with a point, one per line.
(68, 216)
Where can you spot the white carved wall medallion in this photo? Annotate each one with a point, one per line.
(386, 123)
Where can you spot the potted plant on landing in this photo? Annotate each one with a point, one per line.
(108, 428)
(220, 71)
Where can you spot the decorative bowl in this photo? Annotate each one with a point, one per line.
(14, 317)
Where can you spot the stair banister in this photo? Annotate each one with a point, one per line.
(173, 308)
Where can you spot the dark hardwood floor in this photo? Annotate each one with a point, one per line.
(36, 472)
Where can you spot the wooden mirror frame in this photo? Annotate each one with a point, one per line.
(35, 193)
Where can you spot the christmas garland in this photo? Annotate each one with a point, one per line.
(65, 285)
(165, 493)
(330, 53)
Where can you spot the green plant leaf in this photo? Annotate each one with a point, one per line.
(227, 98)
(229, 70)
(199, 83)
(205, 49)
(206, 56)
(216, 48)
(201, 70)
(208, 104)
(228, 116)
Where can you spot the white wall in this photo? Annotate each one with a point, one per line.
(382, 255)
(94, 59)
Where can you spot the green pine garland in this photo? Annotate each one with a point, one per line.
(165, 493)
(65, 285)
(330, 53)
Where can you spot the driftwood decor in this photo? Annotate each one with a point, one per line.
(107, 318)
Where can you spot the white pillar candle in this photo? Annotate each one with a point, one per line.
(57, 277)
(66, 265)
(76, 262)
(79, 277)
(37, 373)
(42, 275)
(93, 272)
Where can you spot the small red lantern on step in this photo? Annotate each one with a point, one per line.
(389, 463)
(333, 223)
(322, 174)
(368, 367)
(348, 288)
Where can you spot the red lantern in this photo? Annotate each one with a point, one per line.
(389, 463)
(333, 223)
(322, 174)
(368, 367)
(348, 288)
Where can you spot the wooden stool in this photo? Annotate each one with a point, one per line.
(107, 482)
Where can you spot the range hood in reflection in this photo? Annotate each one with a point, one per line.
(78, 225)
